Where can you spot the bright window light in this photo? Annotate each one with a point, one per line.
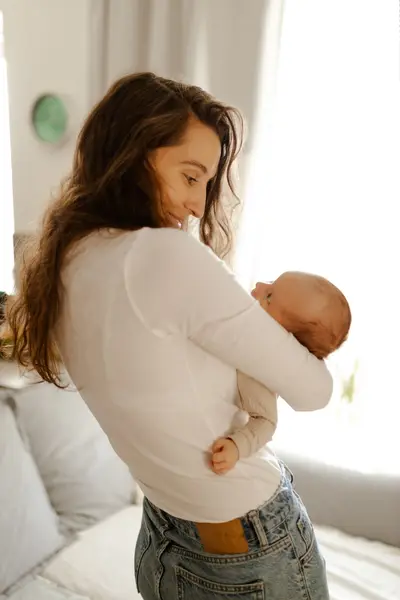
(324, 197)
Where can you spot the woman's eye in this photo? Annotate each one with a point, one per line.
(191, 180)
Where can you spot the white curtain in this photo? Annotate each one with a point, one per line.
(217, 44)
(6, 205)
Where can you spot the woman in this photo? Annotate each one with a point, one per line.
(152, 326)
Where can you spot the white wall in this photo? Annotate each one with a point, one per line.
(47, 50)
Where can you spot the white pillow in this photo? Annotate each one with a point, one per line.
(85, 479)
(28, 524)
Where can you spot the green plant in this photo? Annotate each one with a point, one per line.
(349, 385)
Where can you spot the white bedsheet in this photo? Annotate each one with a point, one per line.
(41, 589)
(100, 564)
(359, 569)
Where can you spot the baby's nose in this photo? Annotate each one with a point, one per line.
(257, 289)
(261, 289)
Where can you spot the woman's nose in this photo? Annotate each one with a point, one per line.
(196, 205)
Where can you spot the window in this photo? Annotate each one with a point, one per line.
(6, 203)
(326, 192)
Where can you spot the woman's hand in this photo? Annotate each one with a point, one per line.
(225, 455)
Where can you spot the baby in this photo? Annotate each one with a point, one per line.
(318, 315)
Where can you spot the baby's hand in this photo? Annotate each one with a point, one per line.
(225, 455)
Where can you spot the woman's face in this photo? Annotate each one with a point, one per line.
(183, 172)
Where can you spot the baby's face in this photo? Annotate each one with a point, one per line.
(292, 293)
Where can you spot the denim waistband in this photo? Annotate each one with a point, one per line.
(265, 518)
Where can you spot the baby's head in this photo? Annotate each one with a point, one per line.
(310, 307)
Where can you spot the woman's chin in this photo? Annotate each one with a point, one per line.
(174, 222)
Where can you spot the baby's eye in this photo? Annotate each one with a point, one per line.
(191, 180)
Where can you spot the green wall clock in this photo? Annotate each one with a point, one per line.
(50, 118)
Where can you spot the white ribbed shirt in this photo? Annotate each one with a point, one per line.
(152, 330)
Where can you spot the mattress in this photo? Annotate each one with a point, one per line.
(100, 564)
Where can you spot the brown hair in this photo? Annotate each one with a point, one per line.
(110, 186)
(327, 333)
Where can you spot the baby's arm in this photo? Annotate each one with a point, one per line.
(261, 405)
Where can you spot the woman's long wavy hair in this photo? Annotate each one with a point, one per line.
(111, 186)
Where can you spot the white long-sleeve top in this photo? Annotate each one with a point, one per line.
(152, 330)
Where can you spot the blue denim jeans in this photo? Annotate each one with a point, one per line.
(282, 562)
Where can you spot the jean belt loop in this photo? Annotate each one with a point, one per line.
(254, 518)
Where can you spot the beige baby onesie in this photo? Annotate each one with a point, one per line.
(261, 405)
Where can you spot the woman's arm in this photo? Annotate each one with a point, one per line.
(177, 286)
